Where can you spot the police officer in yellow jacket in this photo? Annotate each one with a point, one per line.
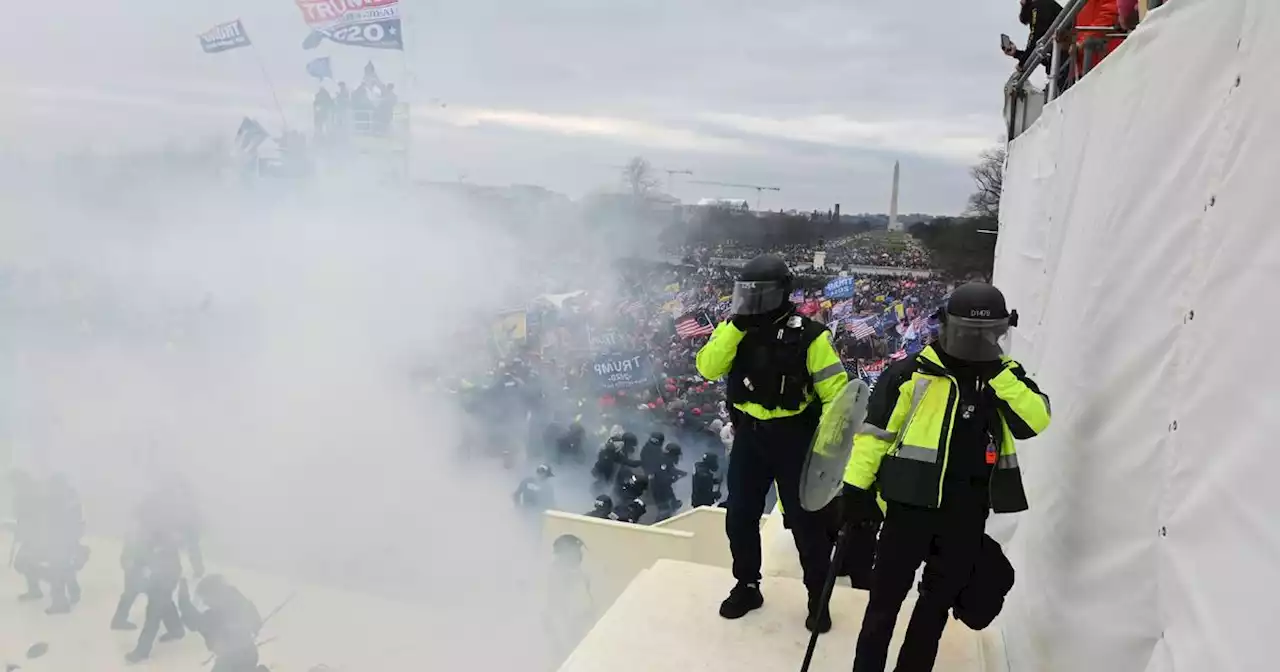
(782, 370)
(938, 445)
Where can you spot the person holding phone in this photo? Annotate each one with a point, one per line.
(1037, 15)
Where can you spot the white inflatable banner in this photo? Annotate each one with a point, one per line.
(1139, 241)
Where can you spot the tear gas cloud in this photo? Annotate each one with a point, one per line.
(261, 343)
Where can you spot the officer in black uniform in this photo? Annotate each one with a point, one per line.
(782, 371)
(705, 482)
(634, 487)
(610, 459)
(663, 482)
(159, 569)
(651, 454)
(602, 508)
(629, 512)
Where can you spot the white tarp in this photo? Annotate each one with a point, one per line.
(1140, 243)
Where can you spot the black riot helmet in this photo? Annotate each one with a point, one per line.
(636, 509)
(635, 485)
(604, 503)
(763, 287)
(657, 438)
(973, 321)
(544, 471)
(628, 442)
(709, 461)
(672, 452)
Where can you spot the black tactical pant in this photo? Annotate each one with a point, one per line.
(160, 609)
(948, 541)
(765, 452)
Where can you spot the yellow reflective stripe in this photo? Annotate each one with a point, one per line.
(882, 434)
(917, 395)
(918, 453)
(759, 412)
(1009, 461)
(827, 372)
(829, 377)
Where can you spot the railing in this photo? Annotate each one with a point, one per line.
(1057, 47)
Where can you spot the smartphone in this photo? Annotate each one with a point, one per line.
(1006, 43)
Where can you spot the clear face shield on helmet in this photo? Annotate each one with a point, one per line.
(757, 297)
(973, 340)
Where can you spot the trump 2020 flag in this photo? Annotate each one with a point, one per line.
(223, 37)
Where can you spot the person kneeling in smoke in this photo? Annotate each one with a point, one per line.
(705, 482)
(229, 626)
(664, 494)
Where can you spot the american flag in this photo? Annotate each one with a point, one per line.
(870, 371)
(693, 325)
(860, 329)
(631, 306)
(901, 354)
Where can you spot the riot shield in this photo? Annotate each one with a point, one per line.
(832, 445)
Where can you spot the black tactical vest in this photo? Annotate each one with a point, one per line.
(771, 367)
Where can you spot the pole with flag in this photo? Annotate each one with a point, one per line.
(320, 68)
(232, 35)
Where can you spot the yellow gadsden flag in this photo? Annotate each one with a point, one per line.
(510, 327)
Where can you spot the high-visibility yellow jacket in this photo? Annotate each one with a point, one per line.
(715, 359)
(904, 444)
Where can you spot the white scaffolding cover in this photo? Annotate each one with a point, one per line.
(1140, 243)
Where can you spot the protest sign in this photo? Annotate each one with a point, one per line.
(619, 370)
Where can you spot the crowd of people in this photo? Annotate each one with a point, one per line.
(48, 551)
(613, 398)
(856, 250)
(366, 110)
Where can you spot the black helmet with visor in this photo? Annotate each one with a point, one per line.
(763, 287)
(974, 321)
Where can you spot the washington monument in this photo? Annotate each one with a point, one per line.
(894, 225)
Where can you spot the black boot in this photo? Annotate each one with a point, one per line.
(743, 598)
(819, 618)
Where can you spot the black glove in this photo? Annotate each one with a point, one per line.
(858, 507)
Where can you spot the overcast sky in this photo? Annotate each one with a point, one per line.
(818, 97)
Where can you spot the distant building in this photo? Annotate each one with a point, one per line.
(726, 203)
